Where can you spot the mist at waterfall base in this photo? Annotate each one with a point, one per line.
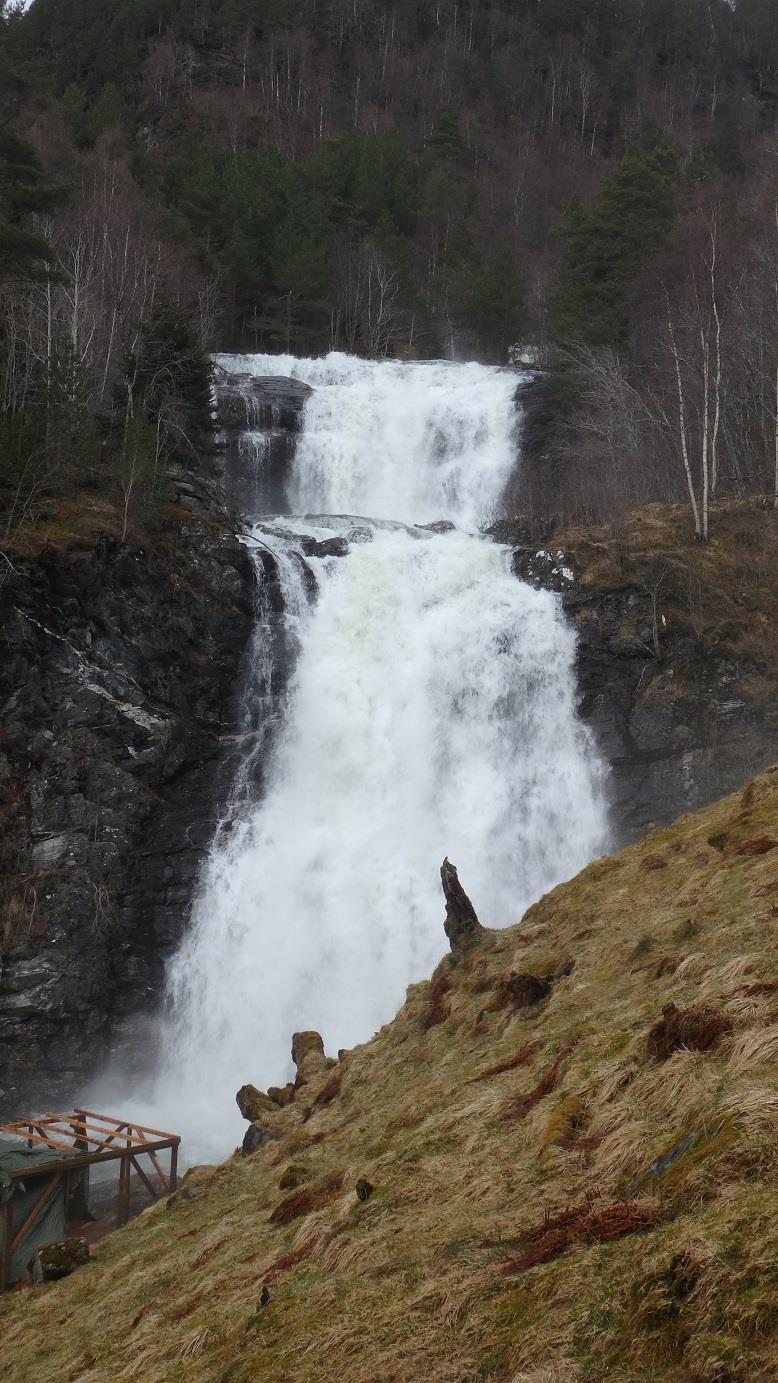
(431, 712)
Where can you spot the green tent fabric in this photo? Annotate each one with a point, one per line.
(52, 1223)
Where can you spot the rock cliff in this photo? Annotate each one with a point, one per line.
(677, 666)
(119, 671)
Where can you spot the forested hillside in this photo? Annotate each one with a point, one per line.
(594, 179)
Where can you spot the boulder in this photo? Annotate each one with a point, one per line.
(182, 1196)
(308, 1055)
(53, 1261)
(281, 1095)
(293, 1176)
(253, 1103)
(256, 1135)
(328, 547)
(439, 526)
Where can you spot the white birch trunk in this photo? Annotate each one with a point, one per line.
(684, 438)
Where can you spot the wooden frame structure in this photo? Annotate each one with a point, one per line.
(87, 1138)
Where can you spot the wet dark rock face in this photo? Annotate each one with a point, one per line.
(121, 671)
(678, 728)
(260, 419)
(119, 674)
(259, 402)
(678, 731)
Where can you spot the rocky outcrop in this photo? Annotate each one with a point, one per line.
(259, 402)
(260, 419)
(308, 1055)
(314, 1085)
(677, 730)
(461, 925)
(683, 709)
(326, 547)
(119, 663)
(253, 1103)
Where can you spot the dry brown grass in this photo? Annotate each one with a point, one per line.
(74, 524)
(724, 592)
(511, 1063)
(638, 1196)
(70, 525)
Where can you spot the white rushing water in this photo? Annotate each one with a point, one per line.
(395, 441)
(431, 712)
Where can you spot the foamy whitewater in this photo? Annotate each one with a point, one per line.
(431, 712)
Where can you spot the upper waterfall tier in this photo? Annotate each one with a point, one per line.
(416, 442)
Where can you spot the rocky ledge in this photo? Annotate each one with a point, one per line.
(118, 674)
(677, 666)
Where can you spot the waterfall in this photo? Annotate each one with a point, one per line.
(430, 711)
(395, 441)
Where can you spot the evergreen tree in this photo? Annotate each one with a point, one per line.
(169, 378)
(25, 191)
(490, 299)
(607, 245)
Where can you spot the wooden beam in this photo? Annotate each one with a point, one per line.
(141, 1128)
(48, 1140)
(148, 1184)
(40, 1205)
(108, 1124)
(100, 1136)
(123, 1195)
(84, 1160)
(153, 1159)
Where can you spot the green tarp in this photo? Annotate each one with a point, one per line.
(53, 1223)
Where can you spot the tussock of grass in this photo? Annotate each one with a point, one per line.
(582, 1224)
(638, 1196)
(694, 1029)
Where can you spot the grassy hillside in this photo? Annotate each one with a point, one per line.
(568, 1184)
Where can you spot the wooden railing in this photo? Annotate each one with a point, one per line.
(87, 1138)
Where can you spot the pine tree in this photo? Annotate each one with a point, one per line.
(608, 244)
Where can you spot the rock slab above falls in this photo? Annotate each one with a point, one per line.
(259, 402)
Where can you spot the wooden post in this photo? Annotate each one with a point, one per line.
(77, 1205)
(173, 1167)
(79, 1129)
(123, 1198)
(5, 1256)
